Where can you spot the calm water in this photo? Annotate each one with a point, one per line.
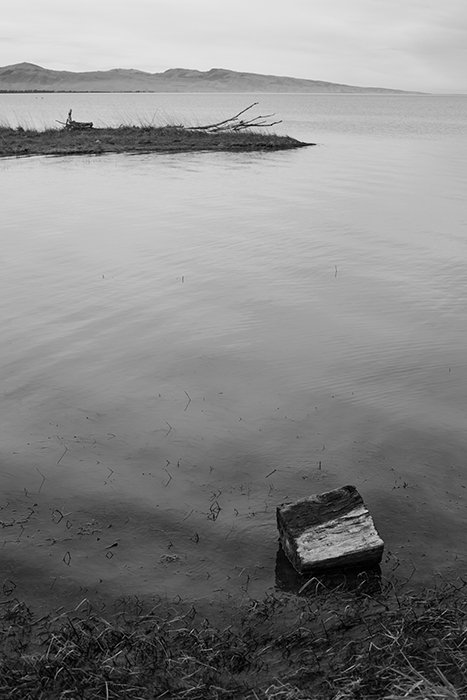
(189, 340)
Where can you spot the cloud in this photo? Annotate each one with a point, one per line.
(416, 44)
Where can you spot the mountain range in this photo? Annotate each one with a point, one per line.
(28, 77)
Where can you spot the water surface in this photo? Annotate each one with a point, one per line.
(188, 340)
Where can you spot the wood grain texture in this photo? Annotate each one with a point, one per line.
(329, 530)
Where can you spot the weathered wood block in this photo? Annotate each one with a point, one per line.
(329, 530)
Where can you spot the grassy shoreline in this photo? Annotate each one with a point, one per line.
(331, 645)
(136, 139)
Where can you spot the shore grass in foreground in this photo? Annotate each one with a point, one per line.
(136, 139)
(331, 645)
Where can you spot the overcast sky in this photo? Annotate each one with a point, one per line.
(408, 44)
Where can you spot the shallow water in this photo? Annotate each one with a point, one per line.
(189, 340)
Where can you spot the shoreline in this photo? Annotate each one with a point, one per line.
(332, 643)
(137, 139)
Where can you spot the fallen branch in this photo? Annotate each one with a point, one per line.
(225, 121)
(236, 124)
(242, 125)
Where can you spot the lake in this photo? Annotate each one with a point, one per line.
(189, 340)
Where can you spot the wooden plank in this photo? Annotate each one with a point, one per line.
(328, 531)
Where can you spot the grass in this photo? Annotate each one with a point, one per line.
(22, 141)
(331, 645)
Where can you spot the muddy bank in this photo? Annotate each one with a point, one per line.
(133, 139)
(331, 644)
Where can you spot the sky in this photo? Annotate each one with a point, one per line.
(405, 44)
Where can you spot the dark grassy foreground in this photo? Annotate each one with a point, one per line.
(136, 139)
(331, 644)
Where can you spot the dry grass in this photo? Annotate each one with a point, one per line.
(135, 139)
(333, 645)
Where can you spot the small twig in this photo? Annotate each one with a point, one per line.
(43, 479)
(67, 558)
(270, 473)
(170, 428)
(260, 116)
(249, 126)
(64, 453)
(170, 477)
(214, 511)
(59, 518)
(189, 400)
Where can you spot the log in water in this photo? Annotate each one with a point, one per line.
(328, 531)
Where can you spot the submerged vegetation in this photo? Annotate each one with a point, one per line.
(332, 645)
(232, 134)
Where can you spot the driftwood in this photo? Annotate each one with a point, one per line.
(329, 531)
(73, 125)
(231, 124)
(236, 124)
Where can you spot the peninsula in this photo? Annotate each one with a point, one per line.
(134, 139)
(236, 133)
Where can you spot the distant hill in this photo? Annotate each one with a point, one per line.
(28, 77)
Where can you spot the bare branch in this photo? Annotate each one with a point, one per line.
(240, 127)
(225, 121)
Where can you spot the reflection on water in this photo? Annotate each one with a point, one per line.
(362, 579)
(189, 340)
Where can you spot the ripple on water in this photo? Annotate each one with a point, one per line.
(189, 340)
